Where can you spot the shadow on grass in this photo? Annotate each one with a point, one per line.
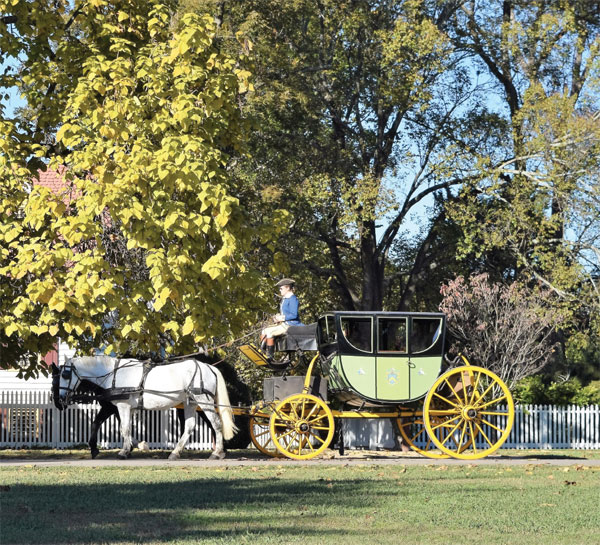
(191, 510)
(542, 457)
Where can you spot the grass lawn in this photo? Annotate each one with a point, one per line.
(364, 504)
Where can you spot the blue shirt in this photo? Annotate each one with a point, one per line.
(289, 308)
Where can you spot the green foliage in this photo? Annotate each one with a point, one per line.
(534, 391)
(536, 198)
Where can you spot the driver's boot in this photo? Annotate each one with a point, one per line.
(270, 346)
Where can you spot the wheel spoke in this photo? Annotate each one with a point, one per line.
(475, 386)
(453, 391)
(443, 413)
(488, 423)
(492, 402)
(446, 400)
(259, 435)
(317, 418)
(484, 435)
(462, 437)
(318, 438)
(473, 438)
(488, 389)
(450, 434)
(446, 424)
(464, 386)
(311, 412)
(322, 428)
(494, 413)
(286, 434)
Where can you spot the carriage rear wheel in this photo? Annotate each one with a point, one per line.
(415, 436)
(469, 412)
(414, 433)
(260, 434)
(301, 426)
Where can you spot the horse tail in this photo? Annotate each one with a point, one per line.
(224, 405)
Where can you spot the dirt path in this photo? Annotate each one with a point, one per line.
(234, 458)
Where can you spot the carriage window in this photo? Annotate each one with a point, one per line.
(327, 330)
(358, 332)
(425, 333)
(392, 335)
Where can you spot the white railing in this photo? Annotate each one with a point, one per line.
(29, 418)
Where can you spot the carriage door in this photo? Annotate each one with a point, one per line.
(426, 349)
(357, 358)
(393, 366)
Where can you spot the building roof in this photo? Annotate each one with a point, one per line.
(52, 179)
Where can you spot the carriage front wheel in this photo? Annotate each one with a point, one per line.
(475, 409)
(301, 426)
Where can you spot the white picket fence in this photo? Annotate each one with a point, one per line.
(29, 419)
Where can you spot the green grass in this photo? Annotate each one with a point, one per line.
(432, 504)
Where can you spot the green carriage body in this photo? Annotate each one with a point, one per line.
(381, 358)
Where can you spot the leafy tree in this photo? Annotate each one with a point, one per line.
(356, 123)
(507, 329)
(371, 112)
(538, 197)
(147, 249)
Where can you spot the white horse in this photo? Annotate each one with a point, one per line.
(133, 384)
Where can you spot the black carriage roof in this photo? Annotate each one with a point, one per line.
(390, 314)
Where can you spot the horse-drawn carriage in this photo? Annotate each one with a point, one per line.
(372, 365)
(379, 365)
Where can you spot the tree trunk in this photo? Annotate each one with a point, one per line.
(372, 269)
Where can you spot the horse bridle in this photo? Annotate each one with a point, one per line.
(67, 372)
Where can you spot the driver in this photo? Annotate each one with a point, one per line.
(288, 315)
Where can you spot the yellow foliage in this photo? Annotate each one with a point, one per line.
(149, 235)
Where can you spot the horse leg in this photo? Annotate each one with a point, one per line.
(125, 416)
(106, 411)
(207, 421)
(208, 408)
(189, 414)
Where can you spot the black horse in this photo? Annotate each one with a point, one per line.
(86, 393)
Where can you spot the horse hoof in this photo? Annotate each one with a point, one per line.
(94, 452)
(144, 446)
(217, 456)
(173, 456)
(123, 455)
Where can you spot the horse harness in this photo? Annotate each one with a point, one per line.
(125, 392)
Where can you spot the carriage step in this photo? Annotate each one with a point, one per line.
(254, 354)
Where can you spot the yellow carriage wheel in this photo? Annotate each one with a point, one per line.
(301, 426)
(413, 431)
(473, 408)
(260, 434)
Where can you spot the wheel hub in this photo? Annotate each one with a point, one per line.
(469, 413)
(302, 427)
